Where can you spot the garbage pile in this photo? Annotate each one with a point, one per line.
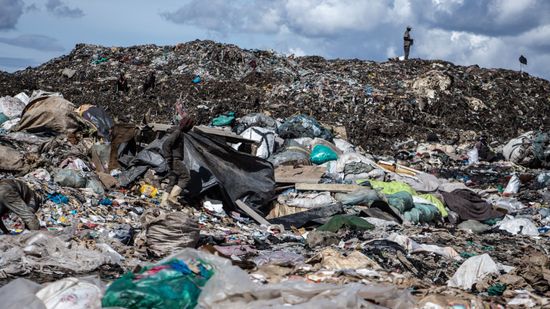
(382, 105)
(279, 211)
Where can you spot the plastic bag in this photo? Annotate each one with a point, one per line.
(265, 137)
(255, 120)
(96, 186)
(358, 197)
(11, 107)
(513, 185)
(70, 178)
(422, 213)
(544, 178)
(321, 154)
(473, 156)
(312, 200)
(173, 284)
(402, 201)
(224, 120)
(303, 126)
(72, 293)
(291, 155)
(519, 226)
(472, 270)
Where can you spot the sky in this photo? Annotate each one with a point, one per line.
(490, 33)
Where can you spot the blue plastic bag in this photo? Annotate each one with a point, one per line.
(322, 154)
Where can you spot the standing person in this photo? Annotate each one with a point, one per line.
(407, 42)
(17, 197)
(149, 82)
(122, 83)
(173, 151)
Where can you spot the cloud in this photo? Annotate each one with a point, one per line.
(31, 8)
(10, 12)
(491, 17)
(34, 41)
(58, 8)
(490, 33)
(228, 16)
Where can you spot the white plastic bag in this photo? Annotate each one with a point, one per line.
(513, 185)
(473, 156)
(472, 270)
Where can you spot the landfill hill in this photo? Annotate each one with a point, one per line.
(382, 105)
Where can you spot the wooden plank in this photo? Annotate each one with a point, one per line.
(327, 187)
(400, 169)
(254, 215)
(160, 127)
(299, 174)
(229, 136)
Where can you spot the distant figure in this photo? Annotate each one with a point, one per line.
(407, 42)
(522, 62)
(122, 83)
(253, 65)
(484, 151)
(149, 82)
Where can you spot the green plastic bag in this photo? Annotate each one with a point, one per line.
(339, 222)
(321, 154)
(402, 201)
(391, 187)
(173, 284)
(224, 120)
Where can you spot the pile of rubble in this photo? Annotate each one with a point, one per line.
(283, 208)
(380, 104)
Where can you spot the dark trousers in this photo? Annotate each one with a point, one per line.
(407, 49)
(179, 175)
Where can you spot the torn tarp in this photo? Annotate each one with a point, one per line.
(239, 175)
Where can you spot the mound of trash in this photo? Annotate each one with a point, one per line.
(380, 104)
(286, 204)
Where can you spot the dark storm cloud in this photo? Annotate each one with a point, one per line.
(493, 18)
(10, 11)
